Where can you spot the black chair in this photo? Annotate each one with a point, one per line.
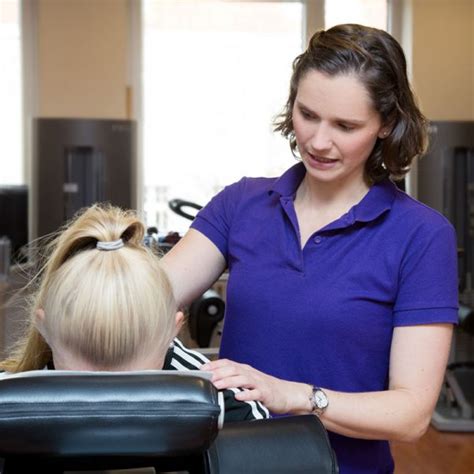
(294, 444)
(55, 421)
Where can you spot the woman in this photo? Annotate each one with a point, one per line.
(342, 290)
(104, 303)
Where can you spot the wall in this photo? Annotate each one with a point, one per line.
(82, 55)
(443, 57)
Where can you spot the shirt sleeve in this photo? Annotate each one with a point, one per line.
(215, 219)
(235, 410)
(428, 280)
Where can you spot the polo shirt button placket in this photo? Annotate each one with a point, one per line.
(318, 239)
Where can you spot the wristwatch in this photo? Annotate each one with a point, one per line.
(319, 400)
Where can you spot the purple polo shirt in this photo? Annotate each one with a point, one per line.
(325, 314)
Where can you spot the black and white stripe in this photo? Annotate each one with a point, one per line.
(179, 357)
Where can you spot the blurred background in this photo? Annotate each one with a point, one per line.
(142, 102)
(197, 84)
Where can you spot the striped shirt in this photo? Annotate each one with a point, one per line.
(179, 357)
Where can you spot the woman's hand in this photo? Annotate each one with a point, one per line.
(279, 396)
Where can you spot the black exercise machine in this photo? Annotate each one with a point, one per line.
(445, 181)
(455, 408)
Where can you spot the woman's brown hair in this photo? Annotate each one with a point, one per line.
(378, 61)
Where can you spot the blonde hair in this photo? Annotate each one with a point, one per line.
(108, 307)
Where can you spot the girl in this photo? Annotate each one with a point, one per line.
(104, 303)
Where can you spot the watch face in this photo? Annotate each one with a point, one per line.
(320, 399)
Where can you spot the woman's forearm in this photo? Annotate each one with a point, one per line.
(419, 356)
(394, 414)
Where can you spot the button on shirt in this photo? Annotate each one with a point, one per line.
(325, 314)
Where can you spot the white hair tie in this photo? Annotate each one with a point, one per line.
(112, 245)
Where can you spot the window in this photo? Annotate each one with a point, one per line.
(366, 12)
(215, 73)
(11, 157)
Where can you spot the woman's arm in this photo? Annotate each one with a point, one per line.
(192, 266)
(418, 361)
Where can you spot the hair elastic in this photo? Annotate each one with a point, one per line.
(111, 245)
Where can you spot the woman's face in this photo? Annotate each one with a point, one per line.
(336, 127)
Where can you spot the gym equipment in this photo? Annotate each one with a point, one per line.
(455, 408)
(207, 311)
(204, 314)
(79, 162)
(177, 205)
(446, 183)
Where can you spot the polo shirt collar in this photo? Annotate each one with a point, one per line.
(287, 184)
(376, 202)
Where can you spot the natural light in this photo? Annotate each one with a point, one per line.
(366, 12)
(11, 158)
(215, 75)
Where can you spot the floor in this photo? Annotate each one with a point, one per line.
(436, 453)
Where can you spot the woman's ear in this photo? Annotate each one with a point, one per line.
(179, 322)
(386, 130)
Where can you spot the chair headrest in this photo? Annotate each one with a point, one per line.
(106, 413)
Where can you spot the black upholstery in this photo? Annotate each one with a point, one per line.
(295, 444)
(105, 420)
(57, 421)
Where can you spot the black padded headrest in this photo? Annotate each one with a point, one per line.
(55, 413)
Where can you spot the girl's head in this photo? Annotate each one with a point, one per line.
(100, 309)
(376, 59)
